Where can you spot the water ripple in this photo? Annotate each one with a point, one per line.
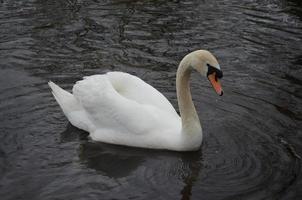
(252, 137)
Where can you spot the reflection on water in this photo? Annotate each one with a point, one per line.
(119, 162)
(114, 162)
(252, 136)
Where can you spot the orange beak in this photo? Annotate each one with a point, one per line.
(215, 83)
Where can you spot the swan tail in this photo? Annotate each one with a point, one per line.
(71, 108)
(66, 100)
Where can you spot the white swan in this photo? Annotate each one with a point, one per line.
(120, 108)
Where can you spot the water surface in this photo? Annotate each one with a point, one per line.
(252, 135)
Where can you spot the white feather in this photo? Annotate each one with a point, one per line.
(120, 108)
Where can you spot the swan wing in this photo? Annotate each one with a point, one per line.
(134, 88)
(119, 102)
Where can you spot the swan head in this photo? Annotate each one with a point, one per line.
(207, 65)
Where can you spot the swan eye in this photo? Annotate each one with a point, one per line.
(211, 70)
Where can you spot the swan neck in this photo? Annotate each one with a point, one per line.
(189, 117)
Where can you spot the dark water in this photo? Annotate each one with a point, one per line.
(252, 135)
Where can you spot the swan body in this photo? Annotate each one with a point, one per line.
(120, 108)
